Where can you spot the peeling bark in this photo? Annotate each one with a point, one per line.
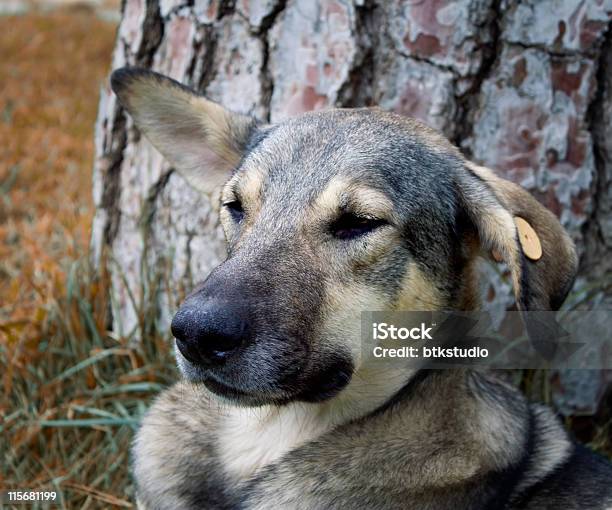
(521, 86)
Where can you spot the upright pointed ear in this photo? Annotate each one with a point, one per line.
(202, 140)
(527, 236)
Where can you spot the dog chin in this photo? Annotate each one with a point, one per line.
(238, 397)
(229, 394)
(319, 387)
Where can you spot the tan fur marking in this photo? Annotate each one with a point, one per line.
(212, 114)
(248, 188)
(343, 306)
(418, 293)
(358, 198)
(498, 229)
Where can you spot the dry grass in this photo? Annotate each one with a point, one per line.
(71, 394)
(48, 98)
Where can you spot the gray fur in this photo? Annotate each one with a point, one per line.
(293, 418)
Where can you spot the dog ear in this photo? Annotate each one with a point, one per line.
(202, 140)
(517, 229)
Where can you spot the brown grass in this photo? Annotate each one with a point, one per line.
(48, 98)
(72, 394)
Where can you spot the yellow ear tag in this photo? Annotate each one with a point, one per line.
(528, 238)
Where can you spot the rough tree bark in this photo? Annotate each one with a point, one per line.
(522, 86)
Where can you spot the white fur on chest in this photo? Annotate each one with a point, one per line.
(251, 438)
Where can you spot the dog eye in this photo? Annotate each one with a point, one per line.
(350, 226)
(235, 209)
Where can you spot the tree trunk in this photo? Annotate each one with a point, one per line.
(524, 87)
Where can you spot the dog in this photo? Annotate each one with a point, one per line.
(325, 215)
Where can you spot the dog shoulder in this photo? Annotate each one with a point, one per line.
(583, 482)
(561, 473)
(174, 459)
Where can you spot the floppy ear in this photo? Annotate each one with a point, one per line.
(202, 140)
(524, 234)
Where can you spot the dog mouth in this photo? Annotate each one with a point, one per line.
(199, 375)
(243, 398)
(225, 390)
(319, 387)
(297, 384)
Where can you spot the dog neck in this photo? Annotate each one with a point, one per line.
(253, 437)
(478, 411)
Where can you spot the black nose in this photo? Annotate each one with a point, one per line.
(208, 332)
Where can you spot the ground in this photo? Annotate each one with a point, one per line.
(71, 395)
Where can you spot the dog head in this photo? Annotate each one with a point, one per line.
(326, 215)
